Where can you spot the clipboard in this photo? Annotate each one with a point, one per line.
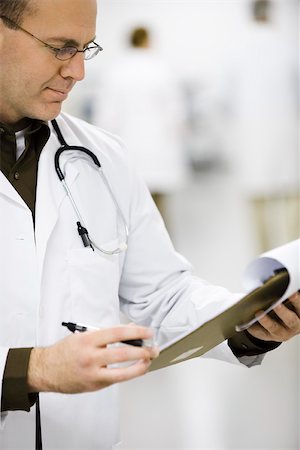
(224, 325)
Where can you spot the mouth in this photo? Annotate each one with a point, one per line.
(58, 95)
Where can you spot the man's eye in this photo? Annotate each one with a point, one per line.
(66, 52)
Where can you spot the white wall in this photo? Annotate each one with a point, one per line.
(203, 404)
(193, 35)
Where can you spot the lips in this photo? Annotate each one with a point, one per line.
(58, 94)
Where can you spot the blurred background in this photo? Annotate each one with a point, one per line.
(205, 94)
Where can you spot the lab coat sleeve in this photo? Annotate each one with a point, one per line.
(157, 287)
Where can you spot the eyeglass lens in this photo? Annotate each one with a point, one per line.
(68, 52)
(90, 52)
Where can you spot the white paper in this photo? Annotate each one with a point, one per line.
(258, 271)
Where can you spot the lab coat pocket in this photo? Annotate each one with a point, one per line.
(94, 284)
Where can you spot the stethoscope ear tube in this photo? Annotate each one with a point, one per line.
(76, 148)
(59, 134)
(56, 162)
(64, 147)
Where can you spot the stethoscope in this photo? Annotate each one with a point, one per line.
(81, 226)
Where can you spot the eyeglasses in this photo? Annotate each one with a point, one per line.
(63, 53)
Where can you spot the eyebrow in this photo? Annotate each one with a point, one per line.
(69, 42)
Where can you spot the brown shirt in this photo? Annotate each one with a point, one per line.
(22, 174)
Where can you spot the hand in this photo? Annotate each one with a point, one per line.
(80, 362)
(281, 326)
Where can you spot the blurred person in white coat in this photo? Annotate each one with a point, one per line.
(261, 96)
(140, 100)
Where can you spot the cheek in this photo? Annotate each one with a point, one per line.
(24, 75)
(30, 73)
(17, 76)
(23, 87)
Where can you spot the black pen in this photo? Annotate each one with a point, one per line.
(82, 328)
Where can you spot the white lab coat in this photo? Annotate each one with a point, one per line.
(139, 99)
(47, 276)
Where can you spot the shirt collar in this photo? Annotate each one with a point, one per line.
(29, 125)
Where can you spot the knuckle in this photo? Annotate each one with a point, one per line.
(295, 298)
(277, 334)
(85, 359)
(293, 323)
(284, 337)
(83, 338)
(120, 376)
(117, 333)
(120, 354)
(147, 356)
(273, 328)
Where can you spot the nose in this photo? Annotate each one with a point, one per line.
(74, 68)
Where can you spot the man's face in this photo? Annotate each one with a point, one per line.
(33, 82)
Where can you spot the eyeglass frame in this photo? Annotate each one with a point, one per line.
(56, 50)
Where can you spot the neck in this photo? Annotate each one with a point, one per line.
(19, 125)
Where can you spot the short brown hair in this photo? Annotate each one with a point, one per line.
(15, 10)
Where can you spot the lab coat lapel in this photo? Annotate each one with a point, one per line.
(7, 190)
(49, 196)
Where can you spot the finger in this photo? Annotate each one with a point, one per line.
(295, 301)
(273, 328)
(155, 351)
(118, 375)
(120, 333)
(126, 353)
(288, 317)
(259, 332)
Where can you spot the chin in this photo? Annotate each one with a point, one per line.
(46, 113)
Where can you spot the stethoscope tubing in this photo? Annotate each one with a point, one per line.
(81, 226)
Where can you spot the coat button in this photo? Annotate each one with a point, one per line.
(16, 175)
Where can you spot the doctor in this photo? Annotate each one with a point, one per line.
(48, 275)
